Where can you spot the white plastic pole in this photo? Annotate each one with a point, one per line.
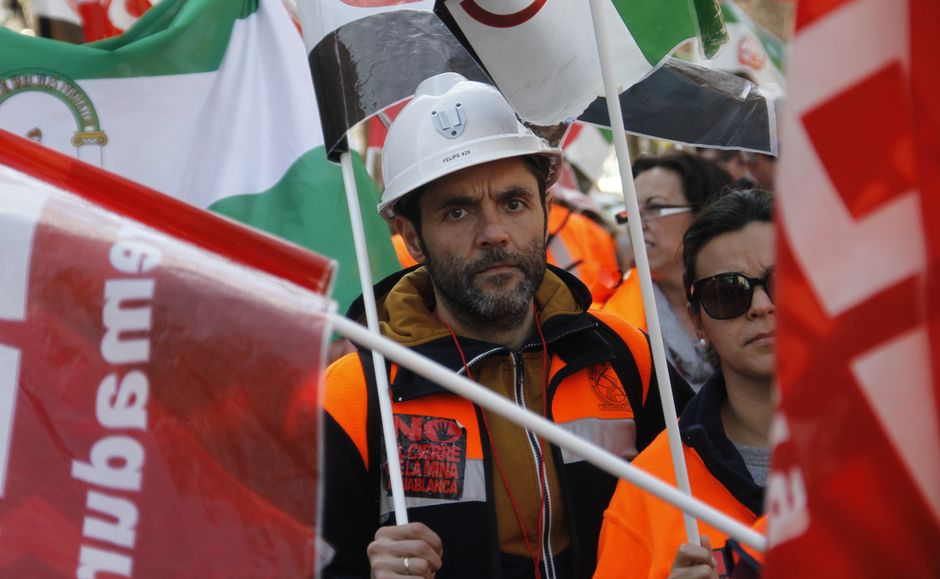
(642, 261)
(378, 361)
(597, 456)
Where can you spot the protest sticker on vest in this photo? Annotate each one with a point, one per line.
(433, 454)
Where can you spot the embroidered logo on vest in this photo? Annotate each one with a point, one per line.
(607, 387)
(433, 454)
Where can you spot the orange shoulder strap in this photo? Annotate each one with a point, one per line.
(346, 400)
(635, 340)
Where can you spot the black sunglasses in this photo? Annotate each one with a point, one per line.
(728, 295)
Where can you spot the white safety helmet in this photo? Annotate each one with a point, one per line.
(453, 123)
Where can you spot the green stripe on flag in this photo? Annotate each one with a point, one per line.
(164, 41)
(711, 26)
(209, 101)
(308, 208)
(659, 26)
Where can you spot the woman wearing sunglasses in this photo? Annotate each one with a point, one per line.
(671, 190)
(729, 265)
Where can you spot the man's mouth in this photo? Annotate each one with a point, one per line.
(498, 268)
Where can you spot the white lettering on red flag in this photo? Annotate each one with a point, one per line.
(166, 422)
(855, 486)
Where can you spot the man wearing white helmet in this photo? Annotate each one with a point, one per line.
(466, 188)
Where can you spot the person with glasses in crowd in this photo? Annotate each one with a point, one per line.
(671, 190)
(725, 428)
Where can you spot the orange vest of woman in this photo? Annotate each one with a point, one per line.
(641, 533)
(627, 301)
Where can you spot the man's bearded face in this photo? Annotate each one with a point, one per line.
(494, 289)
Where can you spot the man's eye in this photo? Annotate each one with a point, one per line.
(514, 205)
(456, 213)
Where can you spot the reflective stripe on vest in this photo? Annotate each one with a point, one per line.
(560, 254)
(617, 436)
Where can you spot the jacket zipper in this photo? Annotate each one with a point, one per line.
(534, 445)
(545, 533)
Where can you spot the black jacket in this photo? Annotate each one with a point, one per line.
(356, 499)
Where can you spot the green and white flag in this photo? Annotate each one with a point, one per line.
(543, 55)
(210, 101)
(752, 50)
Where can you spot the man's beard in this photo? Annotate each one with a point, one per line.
(499, 308)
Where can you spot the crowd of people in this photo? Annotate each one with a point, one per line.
(507, 282)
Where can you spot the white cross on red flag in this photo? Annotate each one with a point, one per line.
(159, 368)
(855, 487)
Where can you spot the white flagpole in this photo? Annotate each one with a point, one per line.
(597, 456)
(642, 261)
(378, 361)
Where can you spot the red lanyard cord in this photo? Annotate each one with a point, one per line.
(543, 482)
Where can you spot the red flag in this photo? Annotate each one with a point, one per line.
(377, 131)
(855, 487)
(98, 18)
(158, 384)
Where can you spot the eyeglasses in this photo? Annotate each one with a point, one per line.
(652, 212)
(728, 295)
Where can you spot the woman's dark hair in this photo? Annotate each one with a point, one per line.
(701, 178)
(731, 211)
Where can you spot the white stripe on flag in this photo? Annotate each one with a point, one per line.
(9, 373)
(895, 379)
(20, 208)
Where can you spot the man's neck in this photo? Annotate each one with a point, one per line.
(512, 337)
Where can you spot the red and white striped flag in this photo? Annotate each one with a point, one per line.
(159, 369)
(855, 487)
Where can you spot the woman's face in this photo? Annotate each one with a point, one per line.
(744, 343)
(659, 187)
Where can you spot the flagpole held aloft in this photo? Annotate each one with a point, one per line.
(642, 264)
(546, 429)
(378, 361)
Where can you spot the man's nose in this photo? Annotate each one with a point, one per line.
(493, 230)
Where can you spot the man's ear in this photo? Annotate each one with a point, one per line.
(549, 198)
(405, 228)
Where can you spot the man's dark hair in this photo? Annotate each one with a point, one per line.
(731, 211)
(410, 206)
(701, 179)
